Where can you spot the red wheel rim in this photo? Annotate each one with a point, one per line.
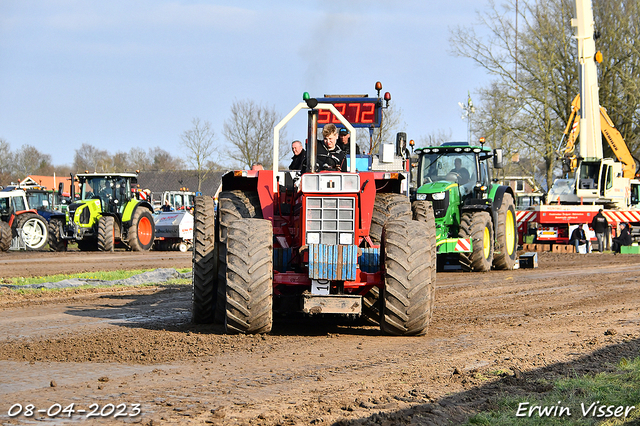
(144, 231)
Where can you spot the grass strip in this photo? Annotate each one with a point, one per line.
(608, 399)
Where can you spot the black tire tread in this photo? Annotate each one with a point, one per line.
(387, 206)
(408, 291)
(56, 242)
(472, 225)
(106, 238)
(423, 212)
(5, 236)
(204, 277)
(249, 301)
(232, 205)
(501, 259)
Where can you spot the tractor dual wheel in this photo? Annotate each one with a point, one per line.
(506, 235)
(106, 233)
(409, 292)
(204, 277)
(423, 212)
(56, 242)
(142, 230)
(249, 273)
(232, 206)
(5, 236)
(34, 230)
(479, 227)
(387, 206)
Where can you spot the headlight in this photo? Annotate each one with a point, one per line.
(421, 197)
(313, 238)
(346, 239)
(438, 195)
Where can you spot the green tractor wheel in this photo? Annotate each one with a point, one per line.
(506, 235)
(479, 227)
(106, 233)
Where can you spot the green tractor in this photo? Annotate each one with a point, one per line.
(107, 214)
(475, 217)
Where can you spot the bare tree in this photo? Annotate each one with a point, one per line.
(528, 103)
(120, 162)
(163, 160)
(28, 160)
(199, 143)
(89, 158)
(139, 159)
(6, 162)
(250, 133)
(434, 138)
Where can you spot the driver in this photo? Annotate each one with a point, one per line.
(461, 172)
(329, 155)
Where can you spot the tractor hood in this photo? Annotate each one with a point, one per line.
(435, 187)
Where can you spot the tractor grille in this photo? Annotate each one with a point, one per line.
(439, 206)
(330, 220)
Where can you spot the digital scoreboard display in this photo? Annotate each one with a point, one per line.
(360, 112)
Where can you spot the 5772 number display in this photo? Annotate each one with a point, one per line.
(360, 112)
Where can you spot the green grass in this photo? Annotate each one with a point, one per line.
(619, 388)
(103, 276)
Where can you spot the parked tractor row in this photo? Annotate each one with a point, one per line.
(107, 213)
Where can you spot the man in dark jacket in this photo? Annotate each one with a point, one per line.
(579, 237)
(600, 224)
(299, 156)
(623, 240)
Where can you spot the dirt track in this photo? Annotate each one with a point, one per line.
(491, 333)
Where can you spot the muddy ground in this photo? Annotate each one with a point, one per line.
(494, 333)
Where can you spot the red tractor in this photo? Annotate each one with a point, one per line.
(316, 242)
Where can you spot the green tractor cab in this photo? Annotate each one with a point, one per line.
(106, 214)
(475, 217)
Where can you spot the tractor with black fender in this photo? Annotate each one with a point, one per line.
(107, 214)
(315, 242)
(475, 217)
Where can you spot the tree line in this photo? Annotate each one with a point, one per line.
(534, 65)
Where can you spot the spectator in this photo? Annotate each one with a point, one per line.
(343, 141)
(623, 240)
(579, 237)
(329, 155)
(299, 156)
(600, 225)
(257, 166)
(167, 207)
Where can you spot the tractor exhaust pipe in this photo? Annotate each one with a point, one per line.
(312, 140)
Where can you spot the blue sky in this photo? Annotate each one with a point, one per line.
(119, 74)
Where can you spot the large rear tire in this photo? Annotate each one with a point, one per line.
(5, 236)
(204, 262)
(387, 206)
(35, 233)
(106, 233)
(506, 235)
(408, 293)
(423, 212)
(232, 206)
(56, 242)
(478, 227)
(249, 288)
(142, 230)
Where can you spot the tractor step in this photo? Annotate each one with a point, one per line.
(331, 304)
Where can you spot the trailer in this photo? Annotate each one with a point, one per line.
(174, 231)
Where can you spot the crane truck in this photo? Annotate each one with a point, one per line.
(597, 182)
